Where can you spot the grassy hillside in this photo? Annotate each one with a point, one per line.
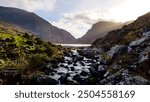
(24, 53)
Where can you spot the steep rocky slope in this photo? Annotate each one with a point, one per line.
(126, 34)
(33, 23)
(127, 49)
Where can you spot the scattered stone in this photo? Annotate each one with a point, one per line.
(138, 80)
(62, 70)
(133, 67)
(106, 74)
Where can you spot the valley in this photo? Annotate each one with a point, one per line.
(34, 52)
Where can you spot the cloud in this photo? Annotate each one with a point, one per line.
(76, 29)
(80, 19)
(79, 22)
(88, 17)
(129, 10)
(30, 5)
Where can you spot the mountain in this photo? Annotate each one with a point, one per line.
(126, 34)
(33, 23)
(122, 57)
(128, 50)
(99, 30)
(23, 54)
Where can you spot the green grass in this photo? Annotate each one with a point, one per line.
(24, 51)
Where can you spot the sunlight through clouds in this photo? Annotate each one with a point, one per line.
(30, 5)
(86, 13)
(77, 16)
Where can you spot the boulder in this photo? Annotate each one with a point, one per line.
(146, 34)
(79, 58)
(89, 52)
(72, 68)
(77, 77)
(63, 79)
(118, 49)
(137, 42)
(45, 80)
(84, 73)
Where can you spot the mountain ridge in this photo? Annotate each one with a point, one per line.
(127, 33)
(32, 22)
(99, 30)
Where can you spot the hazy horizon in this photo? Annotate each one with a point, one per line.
(77, 16)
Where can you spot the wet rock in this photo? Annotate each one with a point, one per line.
(66, 67)
(77, 77)
(68, 54)
(92, 70)
(86, 70)
(72, 68)
(89, 52)
(70, 62)
(116, 67)
(1, 82)
(71, 81)
(118, 49)
(111, 78)
(45, 80)
(74, 52)
(62, 70)
(84, 73)
(55, 65)
(75, 64)
(55, 76)
(63, 79)
(94, 65)
(52, 73)
(62, 65)
(146, 34)
(79, 58)
(106, 74)
(136, 43)
(144, 54)
(82, 63)
(143, 58)
(133, 67)
(138, 80)
(101, 68)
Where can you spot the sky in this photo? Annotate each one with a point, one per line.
(77, 16)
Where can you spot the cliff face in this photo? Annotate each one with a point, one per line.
(33, 23)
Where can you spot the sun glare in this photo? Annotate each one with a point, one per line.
(129, 10)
